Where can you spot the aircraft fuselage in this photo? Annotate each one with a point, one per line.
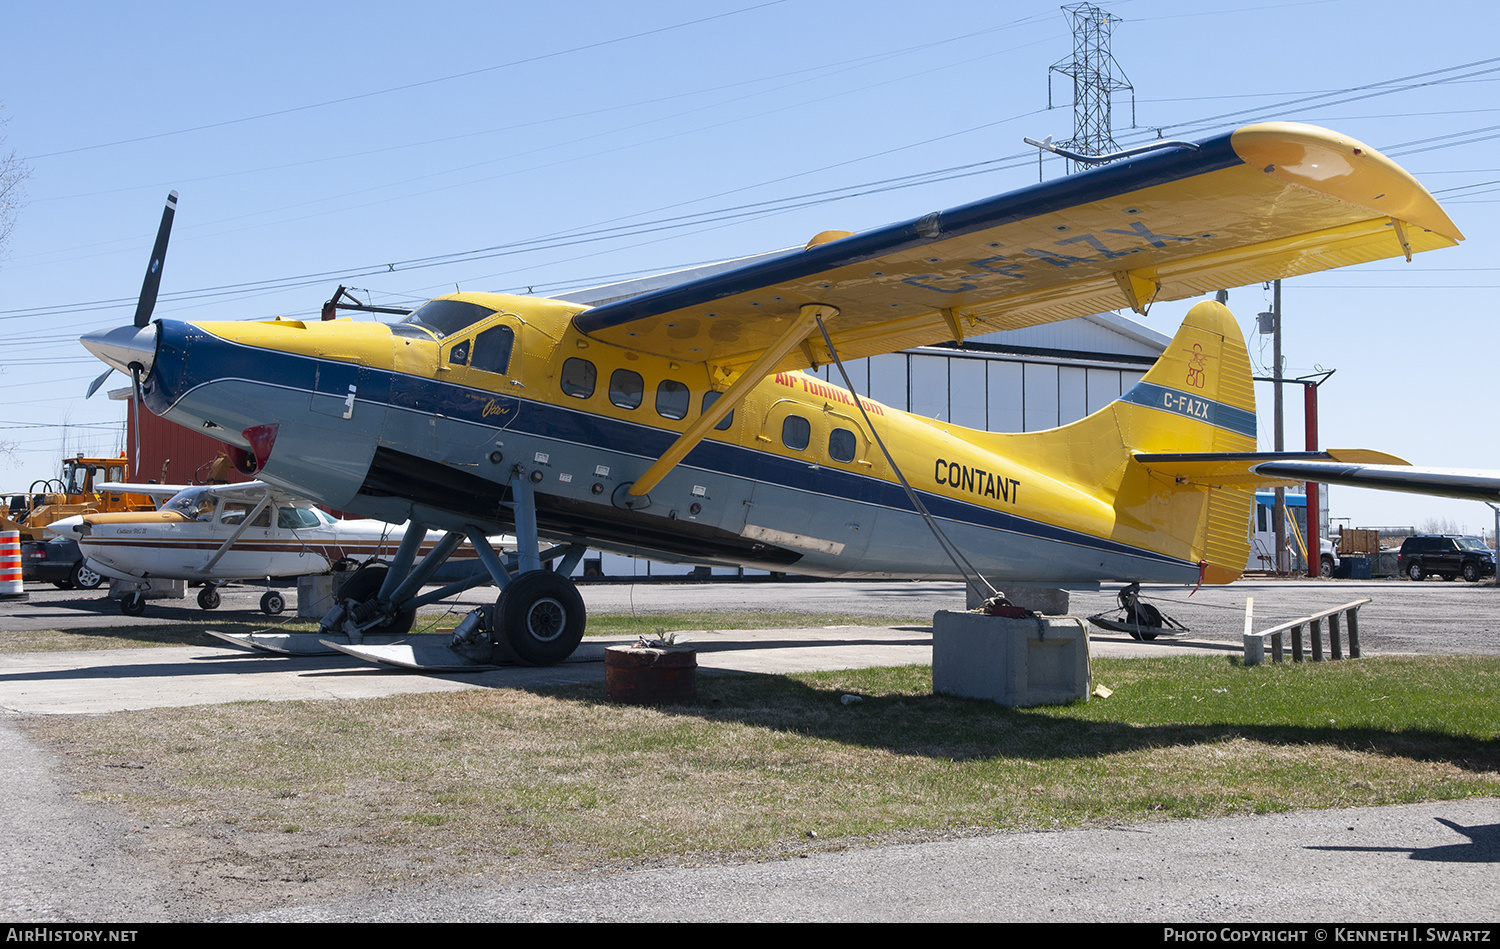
(396, 426)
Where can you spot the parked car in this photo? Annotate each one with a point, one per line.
(59, 562)
(1447, 556)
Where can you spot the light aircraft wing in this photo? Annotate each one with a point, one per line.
(242, 491)
(150, 490)
(1264, 202)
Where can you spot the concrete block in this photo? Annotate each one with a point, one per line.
(314, 596)
(1048, 601)
(1030, 661)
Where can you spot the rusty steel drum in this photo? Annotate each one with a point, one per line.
(649, 675)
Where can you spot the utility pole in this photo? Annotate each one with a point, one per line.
(1278, 516)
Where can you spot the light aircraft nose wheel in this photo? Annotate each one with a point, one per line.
(133, 605)
(208, 598)
(541, 617)
(272, 603)
(362, 586)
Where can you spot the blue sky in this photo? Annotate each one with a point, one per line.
(488, 146)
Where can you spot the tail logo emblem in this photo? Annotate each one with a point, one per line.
(1197, 373)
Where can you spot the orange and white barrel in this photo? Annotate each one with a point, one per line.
(11, 587)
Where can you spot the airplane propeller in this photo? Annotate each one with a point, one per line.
(143, 309)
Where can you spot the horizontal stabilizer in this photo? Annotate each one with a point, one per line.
(1466, 484)
(1224, 469)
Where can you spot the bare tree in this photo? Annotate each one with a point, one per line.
(1442, 525)
(13, 172)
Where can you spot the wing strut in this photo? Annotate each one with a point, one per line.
(800, 329)
(238, 531)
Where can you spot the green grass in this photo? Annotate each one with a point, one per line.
(756, 764)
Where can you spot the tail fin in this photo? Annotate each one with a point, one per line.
(1198, 397)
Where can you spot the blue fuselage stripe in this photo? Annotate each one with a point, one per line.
(1177, 402)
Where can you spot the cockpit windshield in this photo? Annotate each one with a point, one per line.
(441, 318)
(194, 504)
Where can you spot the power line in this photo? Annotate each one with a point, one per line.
(411, 85)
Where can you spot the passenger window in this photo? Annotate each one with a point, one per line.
(295, 518)
(578, 376)
(626, 388)
(709, 398)
(672, 399)
(492, 350)
(459, 355)
(796, 432)
(841, 445)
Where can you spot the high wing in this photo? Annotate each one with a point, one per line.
(160, 491)
(249, 491)
(1264, 202)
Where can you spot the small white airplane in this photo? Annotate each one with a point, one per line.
(223, 532)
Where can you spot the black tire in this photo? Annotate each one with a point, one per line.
(209, 598)
(272, 603)
(83, 578)
(363, 585)
(1471, 573)
(541, 617)
(1415, 572)
(133, 605)
(1449, 577)
(1325, 568)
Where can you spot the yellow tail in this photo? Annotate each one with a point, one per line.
(1198, 397)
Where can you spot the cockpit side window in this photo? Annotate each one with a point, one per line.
(441, 318)
(295, 518)
(492, 350)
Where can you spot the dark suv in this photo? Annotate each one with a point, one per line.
(1447, 556)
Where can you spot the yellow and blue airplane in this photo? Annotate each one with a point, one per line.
(677, 424)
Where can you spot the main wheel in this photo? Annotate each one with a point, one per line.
(1325, 569)
(272, 603)
(85, 579)
(1471, 572)
(541, 617)
(363, 585)
(133, 605)
(208, 598)
(1415, 571)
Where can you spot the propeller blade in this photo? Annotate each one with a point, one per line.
(135, 403)
(153, 270)
(94, 386)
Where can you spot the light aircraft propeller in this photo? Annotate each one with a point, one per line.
(126, 340)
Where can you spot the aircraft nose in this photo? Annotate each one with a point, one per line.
(124, 345)
(68, 526)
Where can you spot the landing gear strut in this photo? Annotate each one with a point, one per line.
(538, 618)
